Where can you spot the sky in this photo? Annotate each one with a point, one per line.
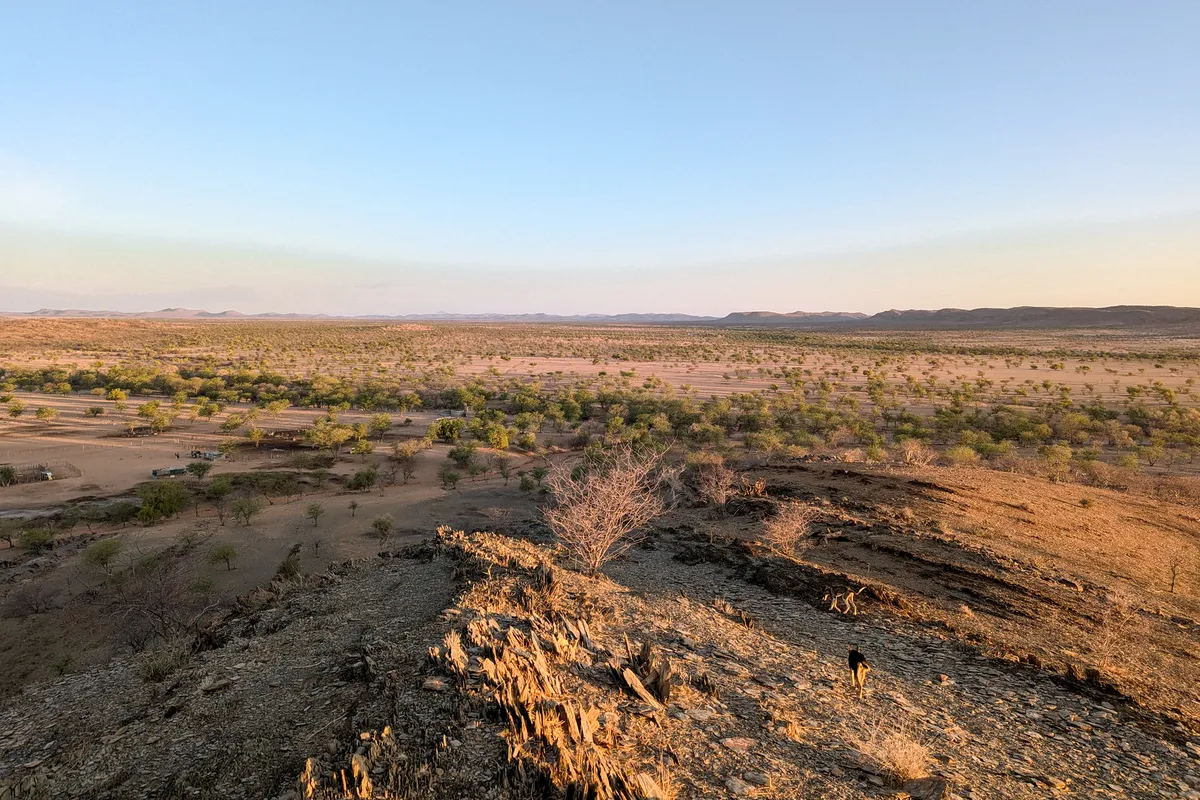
(578, 157)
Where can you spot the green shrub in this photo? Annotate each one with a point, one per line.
(162, 500)
(245, 509)
(961, 455)
(36, 540)
(447, 429)
(102, 554)
(363, 480)
(462, 454)
(223, 554)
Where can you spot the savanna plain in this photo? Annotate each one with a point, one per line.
(334, 559)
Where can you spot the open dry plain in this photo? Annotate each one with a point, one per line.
(1018, 514)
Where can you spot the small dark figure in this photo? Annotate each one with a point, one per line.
(177, 455)
(858, 669)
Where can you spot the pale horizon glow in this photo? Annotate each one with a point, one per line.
(693, 158)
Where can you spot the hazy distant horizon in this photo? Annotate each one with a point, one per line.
(1144, 262)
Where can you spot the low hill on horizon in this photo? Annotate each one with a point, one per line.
(1021, 317)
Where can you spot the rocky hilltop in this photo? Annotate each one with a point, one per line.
(476, 666)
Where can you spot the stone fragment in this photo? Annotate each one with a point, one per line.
(739, 744)
(738, 787)
(755, 778)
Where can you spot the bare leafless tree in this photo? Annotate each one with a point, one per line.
(157, 598)
(1176, 561)
(596, 510)
(787, 531)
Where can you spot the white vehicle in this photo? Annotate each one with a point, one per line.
(45, 475)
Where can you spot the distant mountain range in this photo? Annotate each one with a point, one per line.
(192, 313)
(1028, 317)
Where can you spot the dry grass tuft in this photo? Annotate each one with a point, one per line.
(160, 662)
(898, 755)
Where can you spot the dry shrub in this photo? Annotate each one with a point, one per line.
(787, 531)
(1110, 643)
(1100, 475)
(716, 482)
(157, 663)
(915, 453)
(595, 512)
(898, 755)
(27, 600)
(1178, 489)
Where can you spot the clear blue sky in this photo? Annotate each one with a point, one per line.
(571, 147)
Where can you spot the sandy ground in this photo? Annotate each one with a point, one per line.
(112, 462)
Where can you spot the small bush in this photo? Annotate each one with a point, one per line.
(384, 526)
(363, 480)
(463, 455)
(289, 568)
(102, 554)
(37, 540)
(898, 756)
(961, 455)
(787, 532)
(154, 666)
(913, 452)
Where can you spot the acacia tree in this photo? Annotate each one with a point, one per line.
(405, 455)
(596, 510)
(379, 424)
(245, 509)
(223, 553)
(199, 469)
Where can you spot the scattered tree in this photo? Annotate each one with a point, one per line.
(379, 424)
(245, 509)
(102, 554)
(218, 494)
(503, 466)
(199, 469)
(36, 540)
(223, 553)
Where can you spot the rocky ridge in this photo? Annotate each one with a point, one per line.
(478, 666)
